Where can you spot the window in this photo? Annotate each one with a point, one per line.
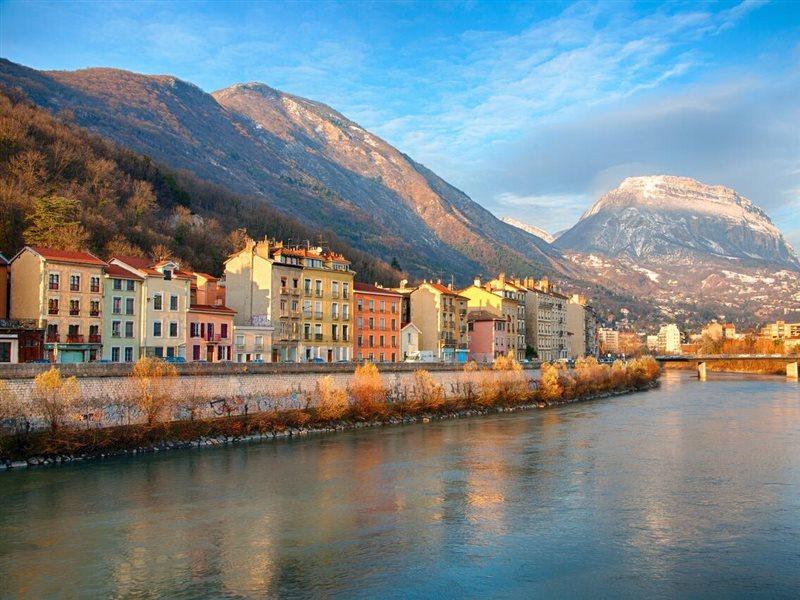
(116, 305)
(74, 308)
(194, 330)
(115, 328)
(394, 344)
(360, 341)
(371, 341)
(130, 285)
(307, 286)
(170, 351)
(240, 340)
(259, 340)
(128, 306)
(223, 331)
(128, 329)
(394, 324)
(360, 304)
(128, 354)
(159, 351)
(115, 354)
(52, 306)
(94, 308)
(335, 289)
(53, 281)
(345, 331)
(156, 328)
(94, 285)
(371, 305)
(167, 274)
(360, 322)
(173, 302)
(345, 311)
(335, 331)
(345, 290)
(116, 284)
(318, 287)
(74, 283)
(382, 306)
(371, 322)
(335, 310)
(157, 302)
(173, 329)
(382, 341)
(5, 352)
(382, 323)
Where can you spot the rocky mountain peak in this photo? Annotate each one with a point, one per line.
(663, 215)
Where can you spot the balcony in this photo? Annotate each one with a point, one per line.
(94, 313)
(284, 291)
(95, 289)
(214, 338)
(317, 314)
(307, 291)
(334, 316)
(74, 312)
(53, 338)
(52, 311)
(75, 338)
(95, 339)
(318, 293)
(317, 337)
(294, 291)
(307, 337)
(334, 294)
(74, 287)
(53, 287)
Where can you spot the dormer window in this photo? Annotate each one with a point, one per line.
(167, 274)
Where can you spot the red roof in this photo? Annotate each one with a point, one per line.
(118, 272)
(211, 308)
(69, 256)
(206, 276)
(443, 289)
(374, 289)
(147, 265)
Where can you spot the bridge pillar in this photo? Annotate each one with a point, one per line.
(791, 370)
(701, 371)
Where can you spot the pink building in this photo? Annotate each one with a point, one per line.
(488, 336)
(209, 331)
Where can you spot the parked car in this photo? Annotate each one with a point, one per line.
(175, 359)
(41, 361)
(257, 361)
(317, 360)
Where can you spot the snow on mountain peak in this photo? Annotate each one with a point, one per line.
(532, 229)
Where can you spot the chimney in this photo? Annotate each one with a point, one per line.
(502, 278)
(403, 283)
(476, 282)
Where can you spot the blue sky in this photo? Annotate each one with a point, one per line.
(534, 109)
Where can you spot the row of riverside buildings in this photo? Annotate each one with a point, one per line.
(274, 303)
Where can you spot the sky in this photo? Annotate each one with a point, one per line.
(533, 109)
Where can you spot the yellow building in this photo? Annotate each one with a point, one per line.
(326, 292)
(501, 299)
(264, 290)
(440, 313)
(304, 293)
(61, 290)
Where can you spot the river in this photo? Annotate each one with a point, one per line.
(689, 490)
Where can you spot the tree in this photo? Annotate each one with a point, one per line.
(153, 378)
(396, 264)
(54, 223)
(54, 397)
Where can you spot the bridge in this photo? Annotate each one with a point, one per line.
(790, 361)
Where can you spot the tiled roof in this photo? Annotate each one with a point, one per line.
(206, 276)
(69, 256)
(210, 308)
(119, 272)
(482, 315)
(374, 289)
(147, 266)
(443, 289)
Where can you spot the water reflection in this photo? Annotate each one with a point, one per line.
(690, 490)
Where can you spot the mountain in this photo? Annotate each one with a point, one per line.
(532, 229)
(302, 158)
(664, 216)
(688, 244)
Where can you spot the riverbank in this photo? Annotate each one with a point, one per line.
(744, 367)
(364, 404)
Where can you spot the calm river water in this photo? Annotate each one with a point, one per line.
(690, 490)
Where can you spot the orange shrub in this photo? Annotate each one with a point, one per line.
(368, 391)
(429, 395)
(153, 377)
(332, 402)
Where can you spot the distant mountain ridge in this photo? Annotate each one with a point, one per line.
(300, 156)
(662, 216)
(532, 229)
(687, 246)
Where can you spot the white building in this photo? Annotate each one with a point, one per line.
(669, 339)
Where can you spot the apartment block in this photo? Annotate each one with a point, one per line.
(209, 323)
(60, 291)
(122, 314)
(377, 323)
(440, 313)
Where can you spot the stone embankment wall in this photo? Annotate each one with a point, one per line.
(261, 387)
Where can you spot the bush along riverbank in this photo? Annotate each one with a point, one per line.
(365, 402)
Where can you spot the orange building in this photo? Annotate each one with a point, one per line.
(5, 287)
(377, 323)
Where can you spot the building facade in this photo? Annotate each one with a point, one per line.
(545, 319)
(252, 343)
(164, 303)
(669, 339)
(5, 286)
(61, 291)
(441, 316)
(489, 336)
(122, 306)
(409, 341)
(376, 323)
(609, 340)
